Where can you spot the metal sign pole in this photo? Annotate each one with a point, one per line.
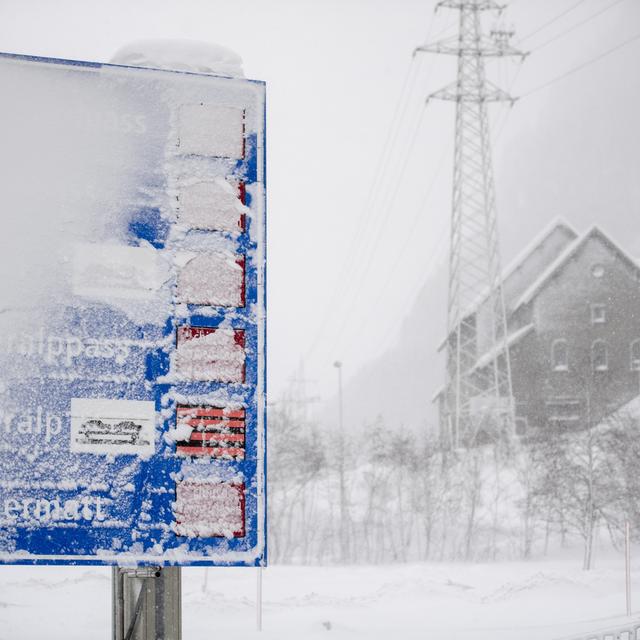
(147, 603)
(259, 601)
(627, 563)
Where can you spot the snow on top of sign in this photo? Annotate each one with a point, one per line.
(180, 55)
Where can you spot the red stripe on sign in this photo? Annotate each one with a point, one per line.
(221, 437)
(214, 452)
(241, 262)
(212, 424)
(190, 333)
(197, 411)
(214, 429)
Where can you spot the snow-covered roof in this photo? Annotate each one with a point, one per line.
(493, 353)
(490, 355)
(438, 393)
(557, 223)
(629, 410)
(562, 259)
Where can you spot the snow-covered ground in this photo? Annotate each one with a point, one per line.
(533, 600)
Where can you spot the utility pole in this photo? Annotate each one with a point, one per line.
(297, 398)
(478, 394)
(344, 543)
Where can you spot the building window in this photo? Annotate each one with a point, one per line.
(597, 271)
(598, 314)
(599, 357)
(635, 355)
(559, 355)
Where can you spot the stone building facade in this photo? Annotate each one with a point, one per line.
(573, 313)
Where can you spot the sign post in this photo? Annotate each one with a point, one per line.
(146, 603)
(627, 565)
(132, 326)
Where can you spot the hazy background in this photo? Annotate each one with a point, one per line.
(357, 245)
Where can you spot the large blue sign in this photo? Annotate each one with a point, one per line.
(132, 316)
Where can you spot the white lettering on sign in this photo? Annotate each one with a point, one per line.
(112, 427)
(61, 350)
(211, 130)
(40, 423)
(105, 272)
(211, 206)
(52, 510)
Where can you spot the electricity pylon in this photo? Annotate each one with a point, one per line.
(478, 396)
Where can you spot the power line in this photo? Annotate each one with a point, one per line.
(364, 271)
(392, 331)
(582, 66)
(389, 202)
(375, 194)
(370, 199)
(411, 229)
(386, 204)
(387, 149)
(577, 25)
(353, 278)
(555, 19)
(502, 124)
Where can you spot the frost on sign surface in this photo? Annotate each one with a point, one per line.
(205, 353)
(211, 130)
(108, 271)
(206, 509)
(215, 279)
(211, 206)
(132, 325)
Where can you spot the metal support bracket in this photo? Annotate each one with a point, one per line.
(146, 603)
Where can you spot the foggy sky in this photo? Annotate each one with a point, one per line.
(346, 265)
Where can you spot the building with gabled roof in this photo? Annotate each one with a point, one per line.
(573, 314)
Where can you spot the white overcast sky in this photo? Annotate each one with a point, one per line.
(350, 245)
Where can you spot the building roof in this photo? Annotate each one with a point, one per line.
(558, 264)
(489, 356)
(538, 240)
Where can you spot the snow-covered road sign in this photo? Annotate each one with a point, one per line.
(132, 315)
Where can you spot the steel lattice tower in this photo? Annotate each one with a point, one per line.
(478, 398)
